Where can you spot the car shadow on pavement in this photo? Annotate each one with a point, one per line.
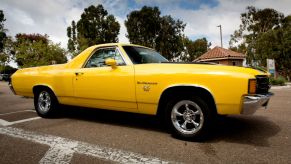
(134, 120)
(250, 130)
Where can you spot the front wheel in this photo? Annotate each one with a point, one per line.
(45, 103)
(188, 117)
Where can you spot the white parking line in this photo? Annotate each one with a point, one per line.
(2, 114)
(6, 123)
(62, 152)
(62, 149)
(17, 112)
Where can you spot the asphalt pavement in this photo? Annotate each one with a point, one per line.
(81, 135)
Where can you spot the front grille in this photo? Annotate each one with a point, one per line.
(263, 84)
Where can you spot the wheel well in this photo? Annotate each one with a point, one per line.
(38, 88)
(197, 91)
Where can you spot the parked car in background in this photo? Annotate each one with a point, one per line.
(4, 77)
(133, 78)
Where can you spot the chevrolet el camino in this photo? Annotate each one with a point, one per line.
(133, 78)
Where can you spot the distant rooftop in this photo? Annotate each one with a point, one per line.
(218, 53)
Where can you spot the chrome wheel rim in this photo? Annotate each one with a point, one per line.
(44, 102)
(187, 117)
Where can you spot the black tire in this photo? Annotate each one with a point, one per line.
(45, 103)
(197, 110)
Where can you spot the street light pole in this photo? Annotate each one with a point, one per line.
(220, 35)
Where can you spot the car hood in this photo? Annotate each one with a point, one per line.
(195, 68)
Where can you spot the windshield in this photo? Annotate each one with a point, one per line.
(141, 55)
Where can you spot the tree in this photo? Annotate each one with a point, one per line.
(94, 27)
(276, 44)
(254, 23)
(37, 50)
(196, 48)
(147, 27)
(240, 48)
(72, 42)
(169, 41)
(7, 53)
(2, 31)
(265, 34)
(143, 26)
(5, 44)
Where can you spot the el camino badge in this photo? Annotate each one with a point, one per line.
(146, 88)
(147, 85)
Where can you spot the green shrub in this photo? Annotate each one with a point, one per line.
(280, 80)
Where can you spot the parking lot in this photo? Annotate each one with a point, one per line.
(79, 135)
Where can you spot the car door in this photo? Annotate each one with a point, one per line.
(100, 86)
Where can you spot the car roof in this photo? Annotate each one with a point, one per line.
(118, 44)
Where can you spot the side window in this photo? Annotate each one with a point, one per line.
(99, 57)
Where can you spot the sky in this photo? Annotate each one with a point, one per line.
(202, 17)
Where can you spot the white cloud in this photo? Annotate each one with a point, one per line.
(203, 22)
(122, 35)
(23, 17)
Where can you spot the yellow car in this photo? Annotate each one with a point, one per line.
(137, 79)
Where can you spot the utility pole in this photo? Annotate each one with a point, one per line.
(220, 35)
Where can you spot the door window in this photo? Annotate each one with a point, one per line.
(99, 57)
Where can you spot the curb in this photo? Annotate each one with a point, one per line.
(280, 87)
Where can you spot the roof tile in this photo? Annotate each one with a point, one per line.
(218, 52)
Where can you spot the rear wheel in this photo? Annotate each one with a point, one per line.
(45, 102)
(188, 117)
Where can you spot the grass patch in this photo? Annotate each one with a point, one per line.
(280, 80)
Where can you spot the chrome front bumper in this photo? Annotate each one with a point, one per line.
(251, 103)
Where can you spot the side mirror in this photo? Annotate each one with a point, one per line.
(111, 62)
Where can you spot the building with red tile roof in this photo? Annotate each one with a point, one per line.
(222, 56)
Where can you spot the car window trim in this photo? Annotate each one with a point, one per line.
(101, 48)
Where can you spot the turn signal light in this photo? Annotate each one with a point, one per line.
(252, 86)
